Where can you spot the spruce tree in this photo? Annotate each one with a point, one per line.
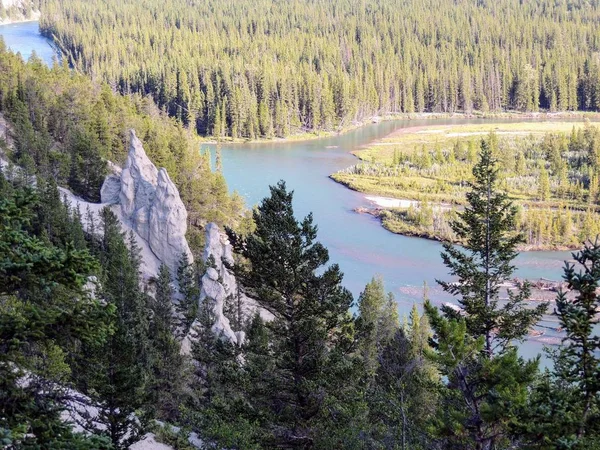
(487, 381)
(218, 409)
(310, 377)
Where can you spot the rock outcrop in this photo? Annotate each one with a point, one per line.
(150, 203)
(219, 285)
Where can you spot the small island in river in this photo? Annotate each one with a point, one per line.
(417, 178)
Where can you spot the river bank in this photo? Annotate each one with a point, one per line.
(416, 177)
(382, 214)
(310, 135)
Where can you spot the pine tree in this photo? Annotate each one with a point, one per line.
(544, 185)
(45, 317)
(486, 229)
(219, 409)
(167, 364)
(563, 409)
(115, 374)
(578, 362)
(374, 318)
(309, 335)
(404, 397)
(187, 282)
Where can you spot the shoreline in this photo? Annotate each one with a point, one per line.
(383, 204)
(311, 136)
(379, 212)
(10, 21)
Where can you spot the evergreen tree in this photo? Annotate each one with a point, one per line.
(219, 408)
(579, 359)
(378, 319)
(115, 374)
(167, 380)
(187, 281)
(563, 409)
(487, 381)
(46, 315)
(486, 228)
(310, 379)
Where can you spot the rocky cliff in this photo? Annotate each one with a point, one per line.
(149, 203)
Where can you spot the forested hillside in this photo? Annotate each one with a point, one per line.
(66, 126)
(247, 68)
(313, 377)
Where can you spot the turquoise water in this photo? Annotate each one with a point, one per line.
(358, 243)
(25, 38)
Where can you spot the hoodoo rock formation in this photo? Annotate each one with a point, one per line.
(151, 204)
(219, 285)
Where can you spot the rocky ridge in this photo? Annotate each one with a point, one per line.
(219, 285)
(150, 204)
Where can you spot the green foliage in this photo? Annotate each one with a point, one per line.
(565, 405)
(487, 383)
(404, 396)
(167, 365)
(486, 228)
(187, 281)
(550, 176)
(309, 397)
(483, 397)
(115, 373)
(219, 410)
(246, 68)
(65, 126)
(378, 321)
(46, 315)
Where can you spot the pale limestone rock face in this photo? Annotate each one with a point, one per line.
(138, 187)
(111, 188)
(150, 203)
(168, 222)
(213, 291)
(218, 284)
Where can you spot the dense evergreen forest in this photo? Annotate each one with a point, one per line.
(66, 126)
(84, 335)
(262, 68)
(78, 326)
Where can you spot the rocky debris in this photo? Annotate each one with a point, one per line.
(150, 204)
(148, 442)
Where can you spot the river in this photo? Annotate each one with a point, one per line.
(358, 243)
(25, 38)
